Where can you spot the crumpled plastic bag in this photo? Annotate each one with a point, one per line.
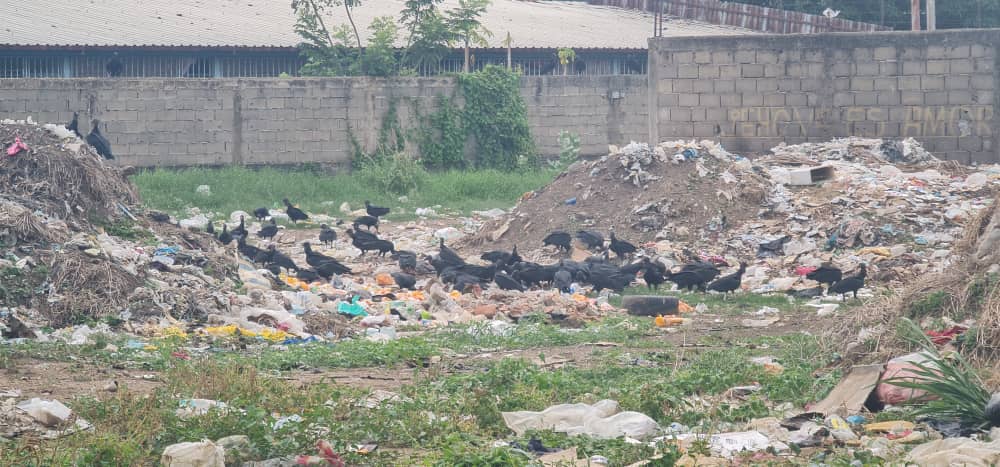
(601, 420)
(958, 451)
(199, 454)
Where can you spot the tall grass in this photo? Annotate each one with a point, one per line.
(240, 188)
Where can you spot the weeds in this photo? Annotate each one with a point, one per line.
(241, 188)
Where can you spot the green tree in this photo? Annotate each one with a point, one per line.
(379, 58)
(325, 49)
(430, 37)
(464, 21)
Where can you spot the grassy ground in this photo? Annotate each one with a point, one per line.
(448, 415)
(238, 188)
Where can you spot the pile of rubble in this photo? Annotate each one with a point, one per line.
(888, 204)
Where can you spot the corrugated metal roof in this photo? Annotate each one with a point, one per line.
(269, 23)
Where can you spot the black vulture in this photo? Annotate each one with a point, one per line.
(225, 237)
(850, 284)
(686, 280)
(653, 274)
(621, 247)
(268, 231)
(729, 283)
(826, 274)
(375, 211)
(99, 142)
(382, 246)
(705, 271)
(261, 214)
(241, 230)
(562, 280)
(558, 239)
(591, 238)
(448, 255)
(404, 280)
(294, 213)
(533, 273)
(407, 260)
(327, 235)
(279, 259)
(313, 258)
(307, 275)
(250, 251)
(367, 221)
(210, 228)
(506, 282)
(74, 125)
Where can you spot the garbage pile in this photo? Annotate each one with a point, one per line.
(887, 204)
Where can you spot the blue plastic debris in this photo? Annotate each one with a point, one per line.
(690, 153)
(855, 419)
(352, 309)
(571, 202)
(166, 251)
(920, 240)
(299, 340)
(134, 344)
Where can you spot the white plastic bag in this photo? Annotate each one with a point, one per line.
(200, 454)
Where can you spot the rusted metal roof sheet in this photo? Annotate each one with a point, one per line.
(269, 23)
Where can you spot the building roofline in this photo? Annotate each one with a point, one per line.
(251, 48)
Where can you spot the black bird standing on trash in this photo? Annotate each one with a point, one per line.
(729, 283)
(375, 211)
(448, 255)
(621, 247)
(277, 258)
(225, 237)
(407, 260)
(689, 280)
(562, 280)
(261, 214)
(591, 238)
(654, 274)
(826, 274)
(99, 142)
(324, 265)
(241, 230)
(404, 280)
(327, 235)
(506, 282)
(250, 251)
(210, 228)
(367, 221)
(558, 239)
(268, 231)
(294, 213)
(850, 284)
(74, 125)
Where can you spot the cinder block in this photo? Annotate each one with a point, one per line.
(667, 70)
(909, 83)
(724, 86)
(862, 69)
(745, 56)
(956, 82)
(886, 84)
(913, 67)
(845, 69)
(767, 56)
(746, 85)
(936, 98)
(709, 100)
(708, 71)
(704, 86)
(862, 54)
(767, 85)
(682, 57)
(811, 84)
(706, 130)
(797, 99)
(888, 98)
(984, 65)
(980, 50)
(842, 99)
(958, 51)
(862, 84)
(932, 83)
(981, 81)
(888, 68)
(961, 65)
(716, 114)
(774, 71)
(720, 57)
(729, 71)
(668, 100)
(774, 100)
(683, 85)
(865, 98)
(687, 71)
(961, 97)
(752, 71)
(731, 100)
(688, 100)
(937, 67)
(885, 53)
(702, 56)
(752, 100)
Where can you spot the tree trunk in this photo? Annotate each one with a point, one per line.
(465, 68)
(319, 18)
(353, 26)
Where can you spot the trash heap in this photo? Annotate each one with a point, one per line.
(888, 204)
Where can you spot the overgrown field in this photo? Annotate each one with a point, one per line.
(239, 188)
(454, 384)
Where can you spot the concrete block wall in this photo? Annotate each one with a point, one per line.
(755, 92)
(182, 122)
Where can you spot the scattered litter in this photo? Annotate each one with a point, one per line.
(602, 420)
(195, 454)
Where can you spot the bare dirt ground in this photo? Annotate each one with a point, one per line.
(67, 380)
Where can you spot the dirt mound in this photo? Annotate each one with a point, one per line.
(60, 177)
(644, 194)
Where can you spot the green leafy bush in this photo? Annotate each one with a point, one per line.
(495, 115)
(399, 173)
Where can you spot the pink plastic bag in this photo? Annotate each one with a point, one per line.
(17, 147)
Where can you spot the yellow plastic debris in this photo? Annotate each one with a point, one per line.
(666, 321)
(172, 331)
(876, 250)
(455, 294)
(684, 307)
(888, 427)
(274, 335)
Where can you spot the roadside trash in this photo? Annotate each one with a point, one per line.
(352, 309)
(901, 367)
(894, 426)
(565, 457)
(203, 190)
(730, 444)
(849, 396)
(381, 396)
(743, 392)
(602, 420)
(48, 413)
(196, 407)
(855, 419)
(958, 451)
(809, 435)
(946, 336)
(760, 323)
(236, 447)
(197, 454)
(668, 321)
(570, 202)
(810, 175)
(448, 234)
(770, 365)
(599, 460)
(425, 212)
(16, 147)
(327, 457)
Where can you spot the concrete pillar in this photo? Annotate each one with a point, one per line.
(915, 15)
(652, 86)
(931, 15)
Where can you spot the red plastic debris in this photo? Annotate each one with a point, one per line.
(17, 147)
(326, 454)
(180, 355)
(803, 270)
(946, 336)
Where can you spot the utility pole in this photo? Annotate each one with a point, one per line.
(931, 16)
(915, 15)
